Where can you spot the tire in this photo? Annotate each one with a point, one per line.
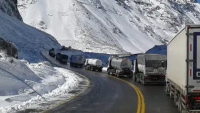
(143, 82)
(71, 65)
(140, 79)
(180, 108)
(167, 91)
(176, 99)
(100, 70)
(81, 66)
(135, 78)
(92, 69)
(170, 94)
(117, 74)
(108, 71)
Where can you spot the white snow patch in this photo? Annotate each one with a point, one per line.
(52, 83)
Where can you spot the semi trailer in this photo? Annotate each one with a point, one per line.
(93, 64)
(183, 69)
(77, 61)
(62, 58)
(150, 68)
(119, 67)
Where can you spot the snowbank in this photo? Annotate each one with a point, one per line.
(52, 84)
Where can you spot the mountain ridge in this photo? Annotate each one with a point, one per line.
(117, 26)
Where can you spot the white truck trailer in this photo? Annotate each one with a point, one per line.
(183, 69)
(119, 67)
(150, 68)
(93, 64)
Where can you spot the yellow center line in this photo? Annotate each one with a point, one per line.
(141, 104)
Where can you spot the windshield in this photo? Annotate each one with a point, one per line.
(156, 63)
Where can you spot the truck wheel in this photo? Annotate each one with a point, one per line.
(176, 99)
(117, 74)
(171, 95)
(92, 69)
(135, 78)
(179, 104)
(140, 79)
(167, 91)
(143, 82)
(108, 71)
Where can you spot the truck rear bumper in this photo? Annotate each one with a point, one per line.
(155, 82)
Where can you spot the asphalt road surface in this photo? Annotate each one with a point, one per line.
(109, 95)
(156, 101)
(105, 95)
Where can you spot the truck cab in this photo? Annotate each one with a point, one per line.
(150, 68)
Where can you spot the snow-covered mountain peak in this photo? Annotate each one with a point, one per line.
(114, 26)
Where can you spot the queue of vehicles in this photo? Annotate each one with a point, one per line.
(179, 71)
(120, 66)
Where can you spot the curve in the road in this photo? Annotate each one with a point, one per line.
(140, 103)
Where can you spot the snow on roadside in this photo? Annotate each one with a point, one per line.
(54, 84)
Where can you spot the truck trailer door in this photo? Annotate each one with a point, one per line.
(194, 66)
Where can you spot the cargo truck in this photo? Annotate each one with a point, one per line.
(62, 58)
(93, 64)
(150, 68)
(183, 69)
(121, 67)
(77, 61)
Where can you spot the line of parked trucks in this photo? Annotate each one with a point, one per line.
(147, 68)
(179, 71)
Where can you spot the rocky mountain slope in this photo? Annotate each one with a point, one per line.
(28, 40)
(114, 26)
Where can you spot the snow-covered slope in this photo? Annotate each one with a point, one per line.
(10, 7)
(28, 40)
(110, 26)
(50, 83)
(35, 86)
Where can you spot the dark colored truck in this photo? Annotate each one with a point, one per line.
(62, 58)
(52, 53)
(77, 60)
